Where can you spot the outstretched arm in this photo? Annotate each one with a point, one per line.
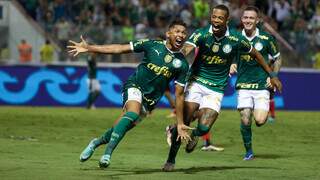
(259, 58)
(182, 128)
(81, 47)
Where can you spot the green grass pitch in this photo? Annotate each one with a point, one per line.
(45, 143)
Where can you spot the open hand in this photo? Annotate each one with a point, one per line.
(183, 132)
(275, 82)
(233, 69)
(268, 83)
(77, 48)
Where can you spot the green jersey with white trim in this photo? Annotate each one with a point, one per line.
(158, 67)
(250, 74)
(212, 63)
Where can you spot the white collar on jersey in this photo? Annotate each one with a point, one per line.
(226, 34)
(250, 38)
(165, 44)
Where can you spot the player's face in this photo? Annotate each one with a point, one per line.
(249, 20)
(177, 36)
(218, 21)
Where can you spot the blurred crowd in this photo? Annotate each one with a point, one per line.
(107, 21)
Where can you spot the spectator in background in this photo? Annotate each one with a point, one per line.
(307, 10)
(48, 22)
(300, 39)
(282, 12)
(46, 52)
(63, 29)
(25, 51)
(186, 15)
(201, 11)
(60, 10)
(127, 30)
(141, 30)
(316, 59)
(4, 54)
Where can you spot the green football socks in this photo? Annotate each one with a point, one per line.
(104, 139)
(126, 123)
(246, 136)
(175, 145)
(200, 130)
(92, 98)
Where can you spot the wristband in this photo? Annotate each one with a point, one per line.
(273, 74)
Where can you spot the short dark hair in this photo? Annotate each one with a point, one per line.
(252, 8)
(177, 22)
(222, 7)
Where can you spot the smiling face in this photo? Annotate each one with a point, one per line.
(219, 18)
(249, 20)
(176, 36)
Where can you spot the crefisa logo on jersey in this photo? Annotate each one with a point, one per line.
(176, 63)
(227, 48)
(167, 58)
(258, 46)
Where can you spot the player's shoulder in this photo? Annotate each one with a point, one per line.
(203, 30)
(156, 42)
(149, 42)
(234, 35)
(265, 35)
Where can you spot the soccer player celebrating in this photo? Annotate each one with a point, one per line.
(162, 63)
(253, 82)
(218, 46)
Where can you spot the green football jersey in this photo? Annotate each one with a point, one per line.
(92, 67)
(212, 63)
(250, 74)
(158, 67)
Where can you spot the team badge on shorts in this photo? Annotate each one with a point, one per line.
(215, 48)
(227, 48)
(258, 46)
(168, 58)
(176, 63)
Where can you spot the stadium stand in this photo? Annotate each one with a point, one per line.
(105, 21)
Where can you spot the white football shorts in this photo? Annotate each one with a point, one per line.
(254, 99)
(93, 85)
(205, 97)
(134, 94)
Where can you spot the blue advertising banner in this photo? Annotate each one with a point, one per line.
(66, 86)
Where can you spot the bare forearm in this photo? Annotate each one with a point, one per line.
(259, 58)
(179, 109)
(277, 65)
(110, 49)
(179, 105)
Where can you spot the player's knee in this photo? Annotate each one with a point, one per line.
(245, 116)
(203, 129)
(260, 121)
